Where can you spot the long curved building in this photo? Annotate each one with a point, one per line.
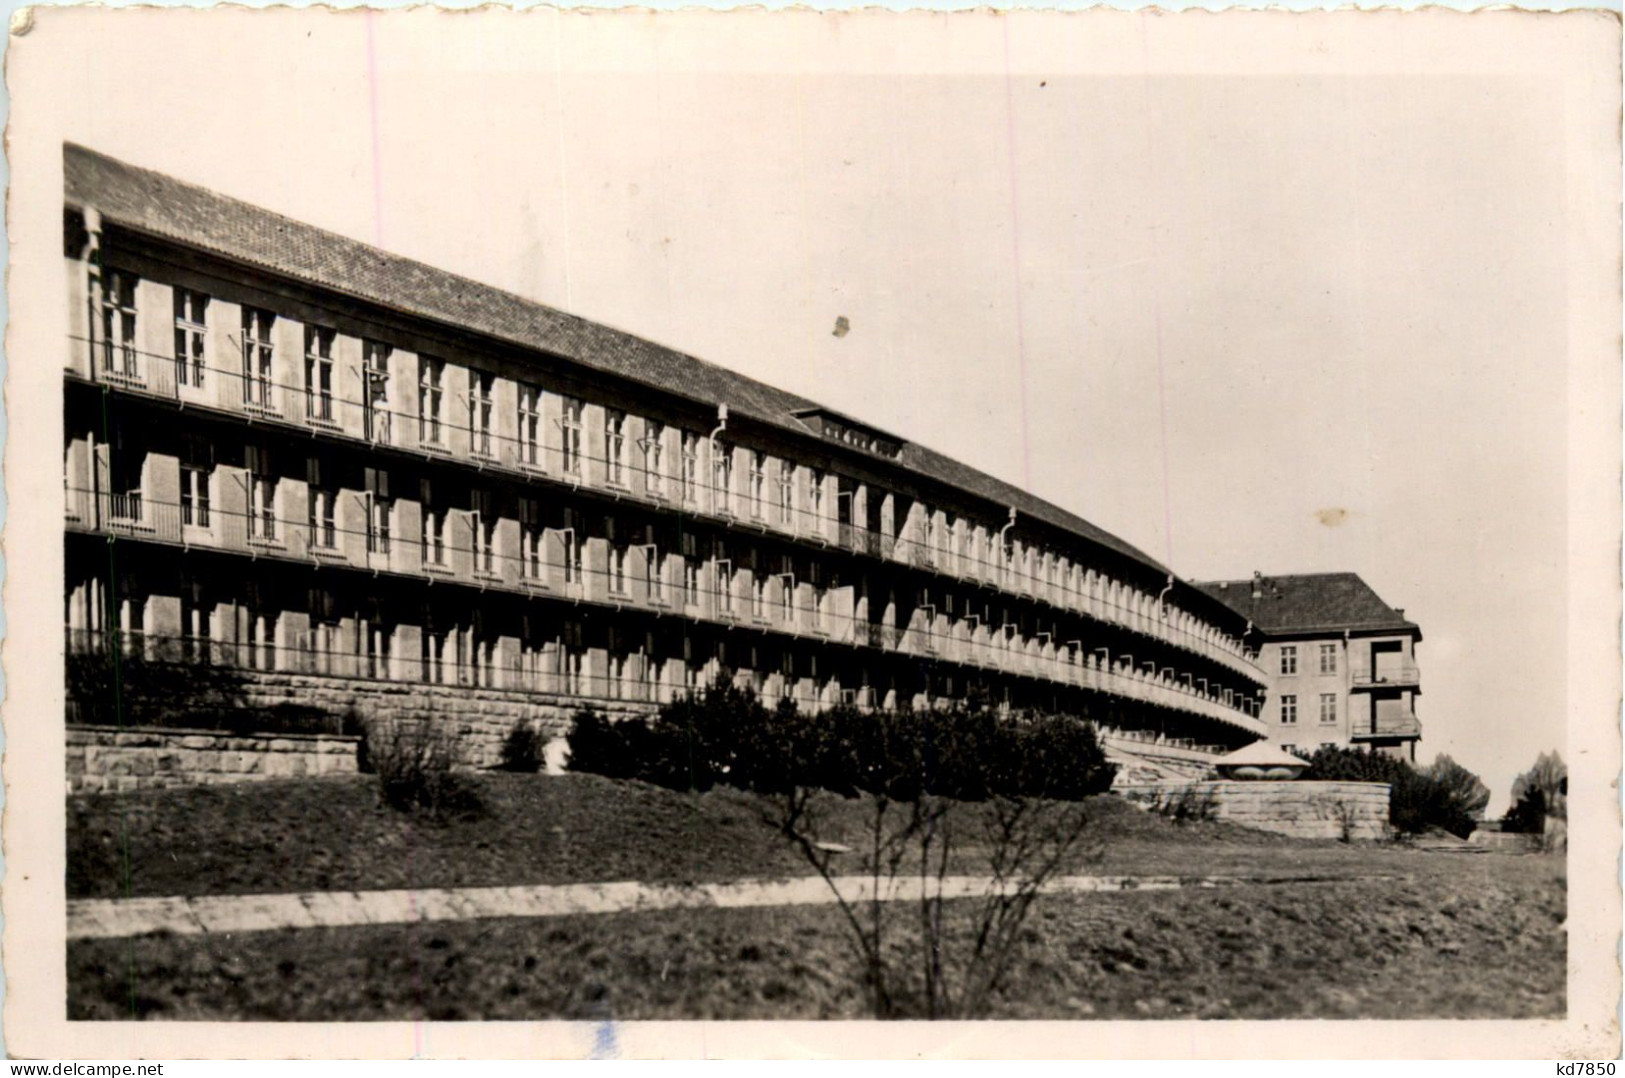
(371, 484)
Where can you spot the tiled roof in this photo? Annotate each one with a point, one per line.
(1312, 602)
(185, 213)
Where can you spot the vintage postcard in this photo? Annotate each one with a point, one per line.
(567, 533)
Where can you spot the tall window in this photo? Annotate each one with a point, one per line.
(1289, 710)
(815, 496)
(615, 446)
(431, 391)
(530, 425)
(191, 336)
(375, 387)
(691, 467)
(1328, 707)
(654, 477)
(617, 559)
(1289, 659)
(434, 528)
(258, 357)
(259, 633)
(653, 577)
(197, 465)
(324, 630)
(380, 510)
(1328, 658)
(570, 429)
(483, 523)
(119, 354)
(758, 485)
(531, 537)
(722, 474)
(323, 500)
(481, 400)
(433, 650)
(372, 641)
(724, 578)
(197, 606)
(691, 569)
(572, 548)
(573, 659)
(262, 490)
(787, 491)
(319, 373)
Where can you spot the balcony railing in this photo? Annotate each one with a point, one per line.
(373, 421)
(1406, 674)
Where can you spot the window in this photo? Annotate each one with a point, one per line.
(1328, 707)
(815, 496)
(258, 358)
(481, 397)
(572, 549)
(1289, 659)
(570, 428)
(380, 510)
(573, 659)
(722, 475)
(691, 570)
(482, 521)
(375, 413)
(431, 391)
(191, 336)
(758, 594)
(1289, 710)
(787, 491)
(617, 559)
(724, 577)
(323, 641)
(119, 354)
(691, 467)
(262, 490)
(654, 435)
(319, 374)
(652, 573)
(615, 446)
(1328, 658)
(197, 607)
(531, 537)
(434, 528)
(260, 634)
(530, 425)
(433, 650)
(197, 466)
(323, 532)
(758, 485)
(372, 641)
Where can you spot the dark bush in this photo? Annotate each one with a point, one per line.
(414, 764)
(728, 736)
(1417, 800)
(523, 749)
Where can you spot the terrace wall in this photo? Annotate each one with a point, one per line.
(1303, 809)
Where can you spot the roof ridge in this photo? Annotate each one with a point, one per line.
(485, 309)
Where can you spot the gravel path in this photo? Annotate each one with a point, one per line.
(221, 914)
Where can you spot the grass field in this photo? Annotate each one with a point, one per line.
(1456, 936)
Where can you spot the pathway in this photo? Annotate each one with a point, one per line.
(196, 915)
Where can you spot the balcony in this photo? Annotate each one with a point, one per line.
(1389, 723)
(1400, 675)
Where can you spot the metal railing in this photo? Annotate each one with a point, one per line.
(373, 424)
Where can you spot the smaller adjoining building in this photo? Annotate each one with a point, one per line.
(1341, 662)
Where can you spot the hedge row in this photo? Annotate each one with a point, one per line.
(727, 736)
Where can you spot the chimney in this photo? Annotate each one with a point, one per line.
(1400, 611)
(1258, 585)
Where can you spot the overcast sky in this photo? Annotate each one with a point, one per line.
(1293, 323)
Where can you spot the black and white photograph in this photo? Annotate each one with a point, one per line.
(580, 520)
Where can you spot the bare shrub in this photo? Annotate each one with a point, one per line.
(414, 762)
(523, 749)
(908, 848)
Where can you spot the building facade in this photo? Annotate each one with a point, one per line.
(1341, 662)
(366, 481)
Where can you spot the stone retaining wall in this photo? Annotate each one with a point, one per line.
(478, 720)
(1303, 809)
(113, 758)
